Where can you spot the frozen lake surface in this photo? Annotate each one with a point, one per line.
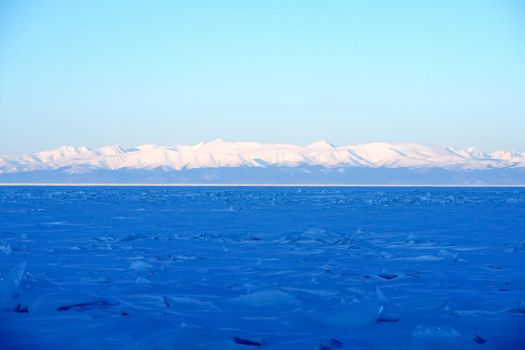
(262, 267)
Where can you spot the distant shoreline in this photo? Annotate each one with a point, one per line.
(248, 185)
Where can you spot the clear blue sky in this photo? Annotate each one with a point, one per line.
(133, 72)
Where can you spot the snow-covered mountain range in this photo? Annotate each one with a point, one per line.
(219, 154)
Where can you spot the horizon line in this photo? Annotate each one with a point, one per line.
(108, 184)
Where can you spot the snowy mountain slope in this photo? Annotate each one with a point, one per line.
(223, 154)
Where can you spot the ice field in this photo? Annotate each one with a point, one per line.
(262, 267)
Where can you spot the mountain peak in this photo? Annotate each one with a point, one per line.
(476, 153)
(321, 144)
(147, 147)
(216, 141)
(66, 150)
(111, 150)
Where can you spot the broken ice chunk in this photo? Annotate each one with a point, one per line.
(436, 337)
(445, 309)
(104, 238)
(140, 266)
(518, 248)
(20, 308)
(519, 310)
(381, 297)
(142, 280)
(318, 235)
(186, 302)
(10, 282)
(479, 340)
(264, 298)
(448, 255)
(388, 276)
(364, 313)
(242, 341)
(131, 237)
(331, 344)
(412, 239)
(419, 258)
(5, 248)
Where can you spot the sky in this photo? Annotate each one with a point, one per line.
(96, 73)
